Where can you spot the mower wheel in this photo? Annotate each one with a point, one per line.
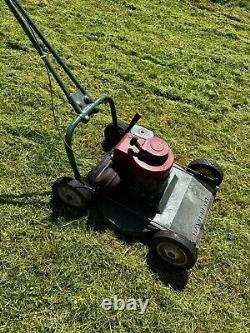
(174, 249)
(73, 193)
(208, 168)
(112, 135)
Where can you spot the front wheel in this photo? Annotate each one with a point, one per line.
(72, 193)
(174, 249)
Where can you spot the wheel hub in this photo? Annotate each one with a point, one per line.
(172, 253)
(70, 196)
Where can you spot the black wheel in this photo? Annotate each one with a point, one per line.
(73, 193)
(112, 136)
(208, 168)
(174, 249)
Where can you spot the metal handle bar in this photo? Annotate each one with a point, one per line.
(33, 33)
(48, 45)
(84, 117)
(84, 106)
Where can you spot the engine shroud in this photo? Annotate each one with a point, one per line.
(143, 154)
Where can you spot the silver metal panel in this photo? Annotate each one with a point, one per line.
(142, 132)
(184, 205)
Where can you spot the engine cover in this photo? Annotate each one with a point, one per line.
(143, 154)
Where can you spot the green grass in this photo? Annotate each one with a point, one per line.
(185, 66)
(240, 3)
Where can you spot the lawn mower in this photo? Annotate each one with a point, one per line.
(137, 186)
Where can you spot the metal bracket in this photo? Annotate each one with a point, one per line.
(82, 100)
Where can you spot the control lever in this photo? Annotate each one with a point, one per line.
(135, 119)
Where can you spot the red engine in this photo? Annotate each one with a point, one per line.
(146, 160)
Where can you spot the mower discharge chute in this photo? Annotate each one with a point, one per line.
(137, 186)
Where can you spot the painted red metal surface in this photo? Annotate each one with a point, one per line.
(150, 157)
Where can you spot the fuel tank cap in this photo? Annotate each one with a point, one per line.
(156, 147)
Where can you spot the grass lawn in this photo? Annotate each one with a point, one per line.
(184, 65)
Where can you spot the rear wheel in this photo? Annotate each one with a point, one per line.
(174, 249)
(72, 193)
(209, 169)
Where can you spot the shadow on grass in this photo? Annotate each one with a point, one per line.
(175, 278)
(64, 213)
(25, 199)
(169, 275)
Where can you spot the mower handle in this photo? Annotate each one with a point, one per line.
(89, 111)
(40, 43)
